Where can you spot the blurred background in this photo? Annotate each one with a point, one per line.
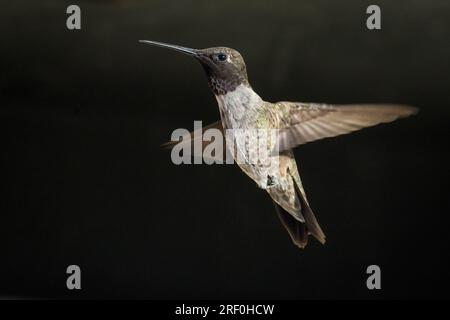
(85, 182)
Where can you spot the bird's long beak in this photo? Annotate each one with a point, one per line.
(188, 51)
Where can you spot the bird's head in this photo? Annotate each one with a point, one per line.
(224, 67)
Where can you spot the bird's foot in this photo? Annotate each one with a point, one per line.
(270, 182)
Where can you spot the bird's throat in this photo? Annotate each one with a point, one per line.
(238, 107)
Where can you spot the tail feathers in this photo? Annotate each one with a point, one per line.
(296, 229)
(299, 231)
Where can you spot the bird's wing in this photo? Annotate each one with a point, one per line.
(300, 123)
(192, 137)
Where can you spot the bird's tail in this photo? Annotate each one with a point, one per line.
(299, 231)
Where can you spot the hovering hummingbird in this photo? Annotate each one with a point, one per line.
(297, 123)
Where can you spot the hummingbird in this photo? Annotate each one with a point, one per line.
(296, 123)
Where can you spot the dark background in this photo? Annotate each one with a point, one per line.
(84, 180)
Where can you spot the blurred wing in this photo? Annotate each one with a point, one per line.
(191, 138)
(301, 123)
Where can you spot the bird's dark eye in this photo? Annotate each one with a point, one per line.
(222, 56)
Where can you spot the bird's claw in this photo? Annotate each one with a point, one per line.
(270, 182)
